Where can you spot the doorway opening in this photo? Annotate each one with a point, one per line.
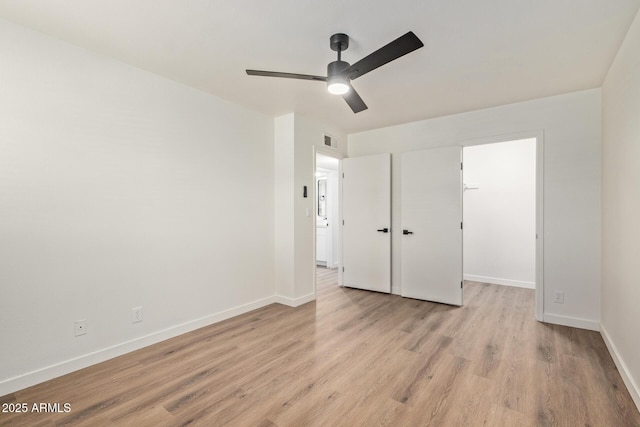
(327, 219)
(502, 215)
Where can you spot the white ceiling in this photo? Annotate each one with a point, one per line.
(477, 54)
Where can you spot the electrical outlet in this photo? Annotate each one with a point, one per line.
(559, 297)
(80, 327)
(136, 314)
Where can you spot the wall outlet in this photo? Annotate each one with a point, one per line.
(559, 297)
(80, 327)
(136, 314)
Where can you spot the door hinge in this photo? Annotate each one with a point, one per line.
(342, 174)
(343, 222)
(460, 226)
(461, 285)
(343, 269)
(460, 165)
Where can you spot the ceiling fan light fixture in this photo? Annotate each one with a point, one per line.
(337, 82)
(337, 85)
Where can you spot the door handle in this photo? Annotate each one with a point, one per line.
(407, 232)
(384, 230)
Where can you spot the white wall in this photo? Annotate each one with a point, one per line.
(283, 208)
(119, 188)
(621, 209)
(571, 126)
(500, 215)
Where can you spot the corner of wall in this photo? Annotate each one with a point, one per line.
(620, 238)
(625, 373)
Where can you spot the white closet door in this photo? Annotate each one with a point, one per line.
(366, 233)
(431, 261)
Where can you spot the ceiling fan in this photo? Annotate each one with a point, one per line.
(340, 73)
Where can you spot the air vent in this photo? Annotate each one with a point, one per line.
(330, 141)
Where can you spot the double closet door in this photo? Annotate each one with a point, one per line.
(429, 236)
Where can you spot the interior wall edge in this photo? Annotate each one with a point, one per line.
(294, 302)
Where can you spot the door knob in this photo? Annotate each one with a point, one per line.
(407, 232)
(384, 230)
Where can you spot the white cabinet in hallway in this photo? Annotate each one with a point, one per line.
(321, 243)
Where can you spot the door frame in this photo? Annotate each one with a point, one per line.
(314, 193)
(538, 135)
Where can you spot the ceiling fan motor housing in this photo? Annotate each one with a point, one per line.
(336, 67)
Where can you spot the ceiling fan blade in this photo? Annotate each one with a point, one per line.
(394, 50)
(353, 99)
(285, 75)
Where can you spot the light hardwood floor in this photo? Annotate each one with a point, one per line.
(355, 358)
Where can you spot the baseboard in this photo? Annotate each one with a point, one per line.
(295, 302)
(499, 281)
(574, 322)
(632, 386)
(47, 373)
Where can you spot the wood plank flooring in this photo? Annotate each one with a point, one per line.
(354, 358)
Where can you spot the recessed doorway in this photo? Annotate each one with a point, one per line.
(502, 215)
(327, 217)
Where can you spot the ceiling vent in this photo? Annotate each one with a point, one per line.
(330, 141)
